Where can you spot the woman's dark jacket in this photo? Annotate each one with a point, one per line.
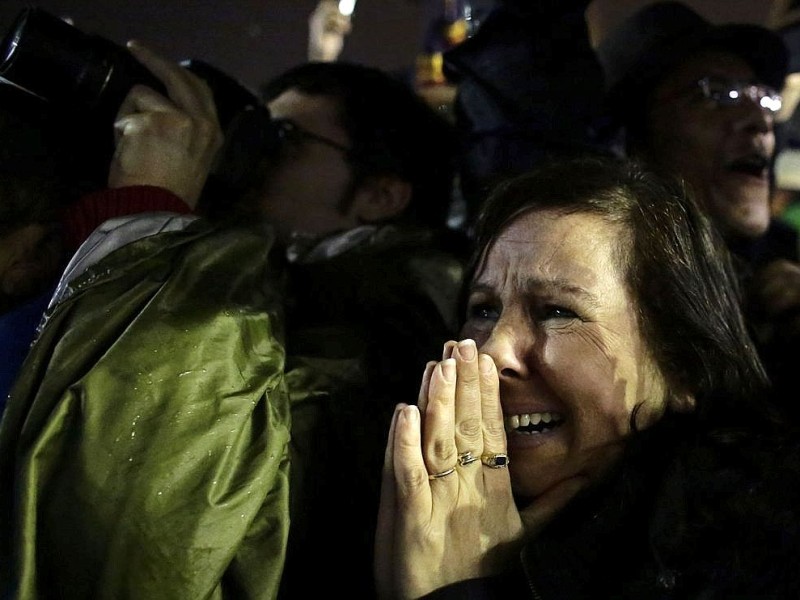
(689, 514)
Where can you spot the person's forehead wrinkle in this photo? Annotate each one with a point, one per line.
(533, 286)
(507, 260)
(558, 285)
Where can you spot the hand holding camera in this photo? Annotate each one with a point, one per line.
(166, 141)
(168, 119)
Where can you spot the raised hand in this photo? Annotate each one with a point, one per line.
(327, 28)
(447, 513)
(167, 142)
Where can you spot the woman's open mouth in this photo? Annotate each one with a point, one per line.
(533, 423)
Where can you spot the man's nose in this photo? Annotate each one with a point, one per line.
(752, 117)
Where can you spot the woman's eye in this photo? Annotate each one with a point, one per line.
(484, 312)
(552, 311)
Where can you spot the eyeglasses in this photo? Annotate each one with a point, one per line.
(288, 130)
(729, 92)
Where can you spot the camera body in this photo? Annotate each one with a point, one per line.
(59, 63)
(50, 58)
(87, 75)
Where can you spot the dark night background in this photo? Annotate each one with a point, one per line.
(249, 39)
(254, 39)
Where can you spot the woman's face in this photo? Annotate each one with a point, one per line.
(552, 309)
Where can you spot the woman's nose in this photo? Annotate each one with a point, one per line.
(511, 347)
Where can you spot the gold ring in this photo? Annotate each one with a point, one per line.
(466, 457)
(495, 461)
(449, 471)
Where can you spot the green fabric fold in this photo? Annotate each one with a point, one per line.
(157, 470)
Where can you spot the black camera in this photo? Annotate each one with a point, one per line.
(50, 58)
(73, 71)
(57, 62)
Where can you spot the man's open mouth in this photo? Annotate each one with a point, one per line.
(755, 165)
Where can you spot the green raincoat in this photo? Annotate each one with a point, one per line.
(155, 470)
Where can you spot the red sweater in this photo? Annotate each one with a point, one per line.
(85, 215)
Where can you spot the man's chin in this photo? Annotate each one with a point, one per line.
(750, 228)
(744, 219)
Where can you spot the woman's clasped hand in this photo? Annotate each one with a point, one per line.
(435, 467)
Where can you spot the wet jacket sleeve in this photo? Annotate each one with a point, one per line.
(143, 453)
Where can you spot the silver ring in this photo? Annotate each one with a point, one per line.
(466, 457)
(449, 471)
(495, 461)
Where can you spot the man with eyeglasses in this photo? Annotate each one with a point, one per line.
(204, 411)
(700, 101)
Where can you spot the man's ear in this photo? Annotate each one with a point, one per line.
(381, 198)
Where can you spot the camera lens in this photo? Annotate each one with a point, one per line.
(41, 54)
(8, 47)
(56, 61)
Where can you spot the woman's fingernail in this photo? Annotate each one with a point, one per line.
(411, 413)
(449, 370)
(467, 349)
(486, 363)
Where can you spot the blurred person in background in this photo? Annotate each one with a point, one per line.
(699, 101)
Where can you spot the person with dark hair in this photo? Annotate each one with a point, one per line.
(200, 377)
(391, 132)
(700, 101)
(377, 295)
(528, 84)
(599, 431)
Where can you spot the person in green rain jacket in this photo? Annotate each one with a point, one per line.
(148, 433)
(203, 412)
